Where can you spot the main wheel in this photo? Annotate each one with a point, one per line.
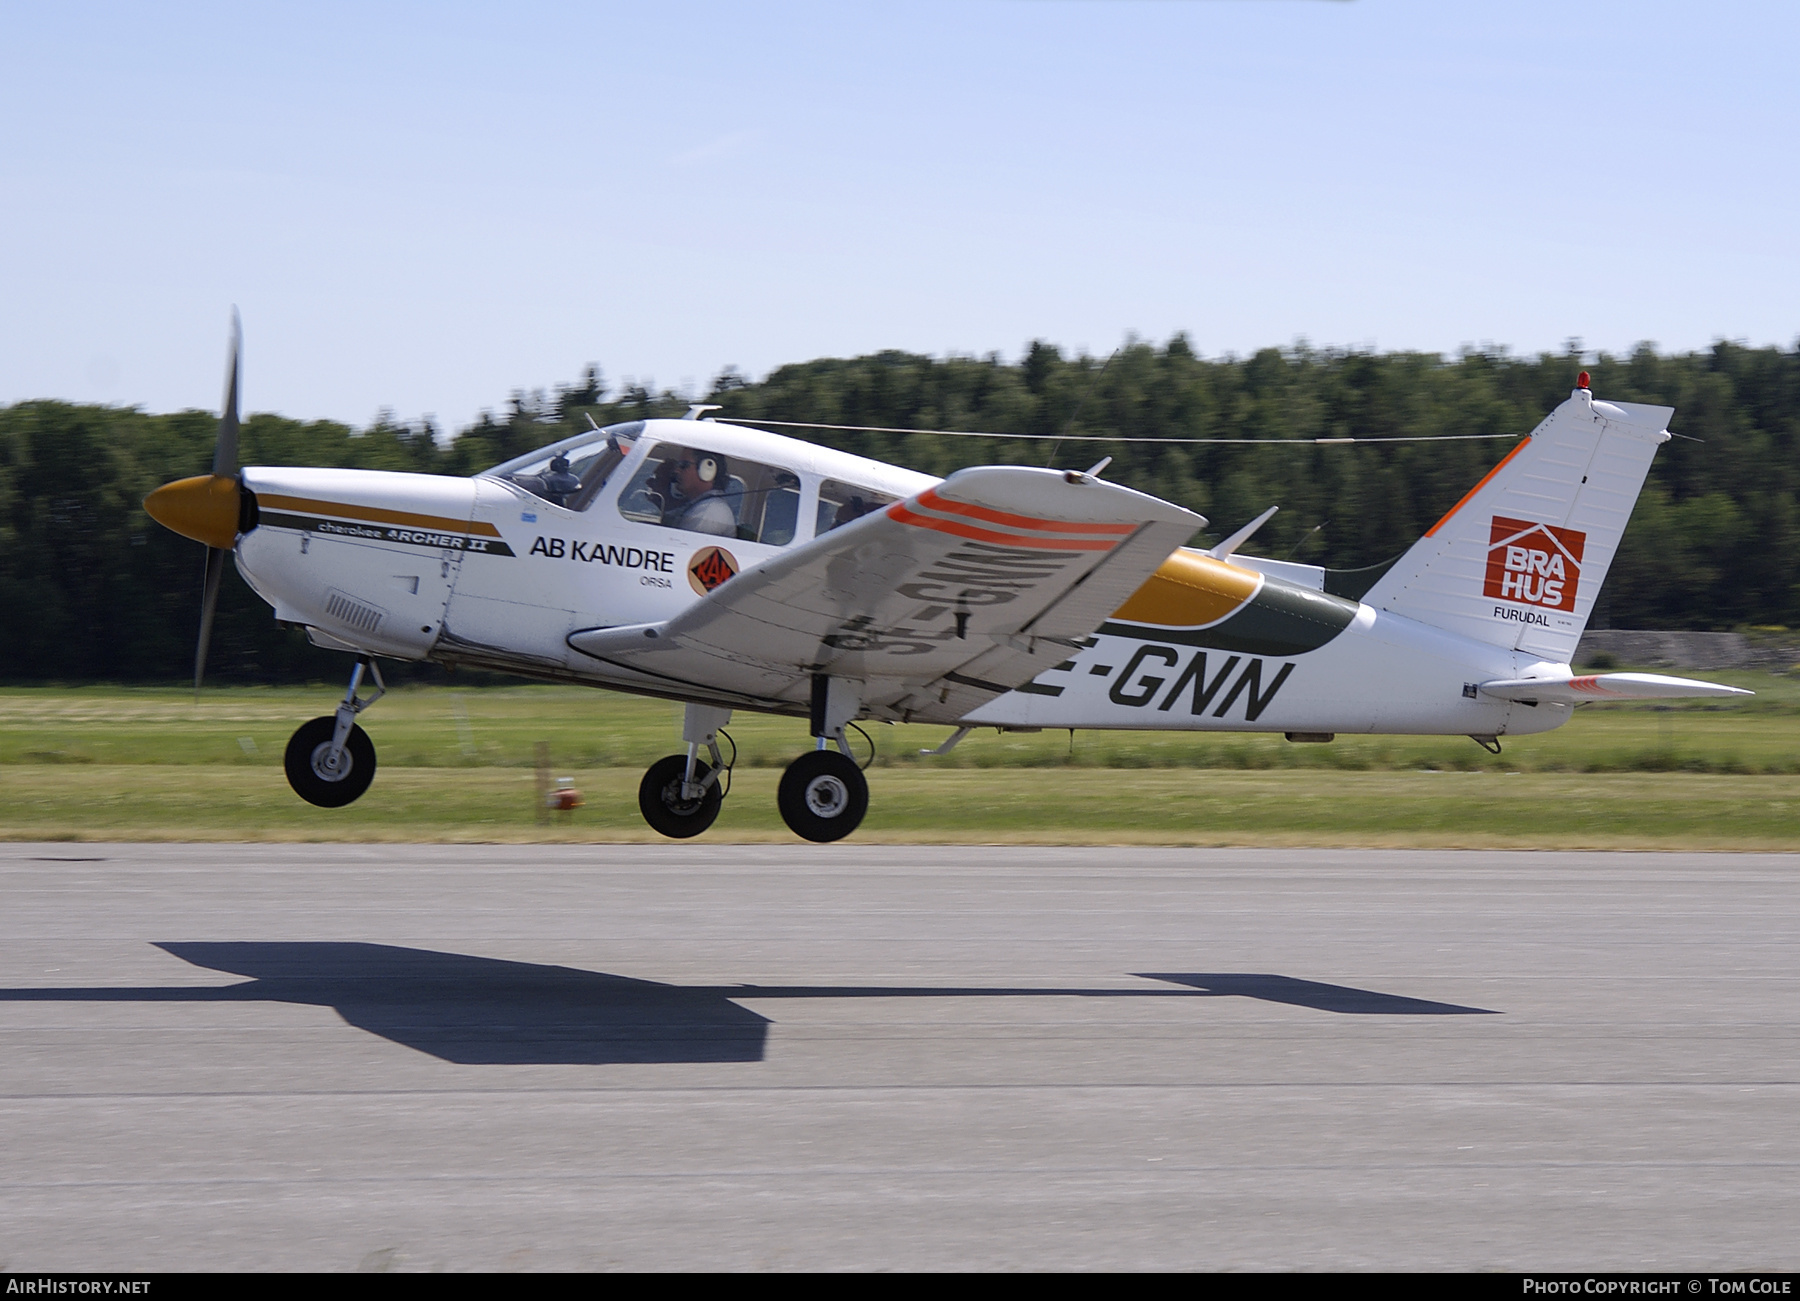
(311, 773)
(666, 809)
(822, 796)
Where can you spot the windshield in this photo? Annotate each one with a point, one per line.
(570, 473)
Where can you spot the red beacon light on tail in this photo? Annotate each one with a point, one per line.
(1581, 380)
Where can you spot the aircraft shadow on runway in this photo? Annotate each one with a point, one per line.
(488, 1011)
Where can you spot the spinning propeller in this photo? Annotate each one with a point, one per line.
(210, 508)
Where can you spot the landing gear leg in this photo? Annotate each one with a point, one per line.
(330, 761)
(823, 794)
(681, 794)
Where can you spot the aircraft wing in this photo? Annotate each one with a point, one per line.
(936, 604)
(1577, 688)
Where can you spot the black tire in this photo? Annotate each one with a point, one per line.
(305, 762)
(823, 796)
(660, 800)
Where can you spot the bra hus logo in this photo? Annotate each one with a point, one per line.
(1534, 564)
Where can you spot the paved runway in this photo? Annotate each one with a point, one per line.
(430, 1057)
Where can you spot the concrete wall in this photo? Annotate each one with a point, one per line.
(1692, 650)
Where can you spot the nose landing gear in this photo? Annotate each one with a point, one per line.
(330, 761)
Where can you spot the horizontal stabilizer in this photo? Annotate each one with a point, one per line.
(1575, 689)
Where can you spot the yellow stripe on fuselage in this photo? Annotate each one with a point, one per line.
(1190, 590)
(375, 514)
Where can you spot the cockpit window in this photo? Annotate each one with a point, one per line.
(570, 473)
(703, 491)
(839, 503)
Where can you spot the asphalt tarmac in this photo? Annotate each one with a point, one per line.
(709, 1056)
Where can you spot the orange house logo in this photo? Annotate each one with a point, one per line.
(710, 567)
(1534, 564)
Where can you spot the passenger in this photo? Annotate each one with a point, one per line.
(853, 509)
(692, 485)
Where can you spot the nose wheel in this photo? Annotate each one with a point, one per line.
(823, 796)
(331, 761)
(322, 778)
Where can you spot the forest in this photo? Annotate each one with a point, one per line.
(95, 591)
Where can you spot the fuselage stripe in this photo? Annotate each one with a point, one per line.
(405, 535)
(374, 514)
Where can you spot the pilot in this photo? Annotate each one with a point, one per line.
(693, 486)
(560, 481)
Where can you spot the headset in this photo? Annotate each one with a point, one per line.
(666, 484)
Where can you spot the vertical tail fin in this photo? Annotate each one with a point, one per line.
(1519, 560)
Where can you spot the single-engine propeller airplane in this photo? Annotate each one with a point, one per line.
(729, 568)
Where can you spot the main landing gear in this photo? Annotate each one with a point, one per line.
(330, 761)
(680, 795)
(823, 794)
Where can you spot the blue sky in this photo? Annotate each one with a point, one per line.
(425, 207)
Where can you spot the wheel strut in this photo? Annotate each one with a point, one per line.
(823, 795)
(351, 707)
(700, 725)
(680, 794)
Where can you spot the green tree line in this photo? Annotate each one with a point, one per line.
(93, 589)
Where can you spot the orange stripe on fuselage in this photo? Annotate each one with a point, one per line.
(931, 499)
(899, 512)
(1477, 488)
(374, 514)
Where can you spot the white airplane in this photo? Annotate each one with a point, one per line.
(731, 568)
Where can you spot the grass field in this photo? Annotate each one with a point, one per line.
(98, 763)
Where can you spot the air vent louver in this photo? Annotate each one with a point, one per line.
(352, 613)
